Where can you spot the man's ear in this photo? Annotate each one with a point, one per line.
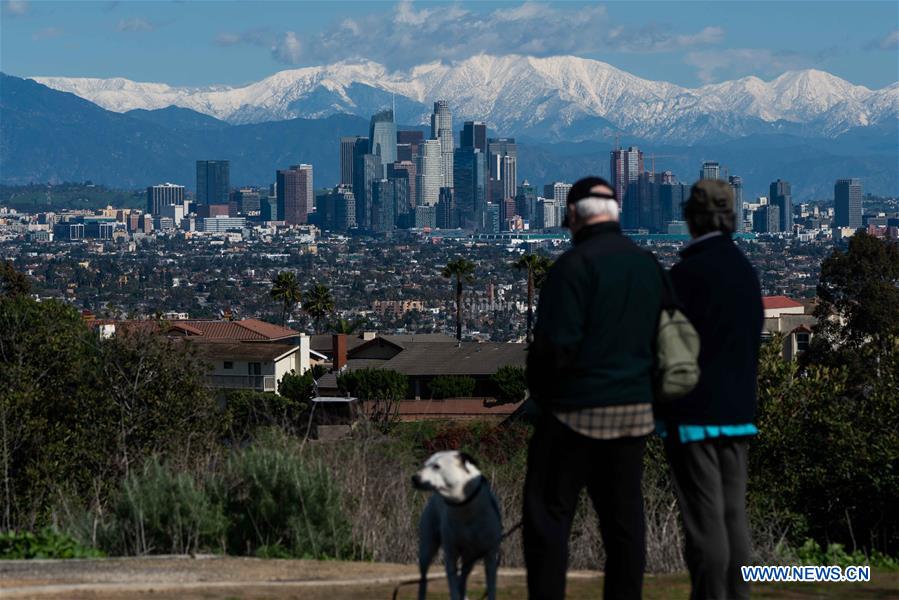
(467, 459)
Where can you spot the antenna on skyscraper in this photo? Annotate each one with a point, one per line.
(394, 106)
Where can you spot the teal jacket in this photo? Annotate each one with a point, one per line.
(596, 324)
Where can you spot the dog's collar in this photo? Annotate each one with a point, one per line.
(474, 494)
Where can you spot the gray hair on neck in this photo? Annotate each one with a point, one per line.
(591, 206)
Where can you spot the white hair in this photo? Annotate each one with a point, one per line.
(591, 206)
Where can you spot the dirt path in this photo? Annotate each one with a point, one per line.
(229, 578)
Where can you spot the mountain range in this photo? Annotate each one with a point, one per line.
(562, 98)
(131, 135)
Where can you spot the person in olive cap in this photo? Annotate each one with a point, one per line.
(589, 373)
(706, 432)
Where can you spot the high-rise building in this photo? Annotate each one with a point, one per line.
(405, 170)
(442, 129)
(426, 216)
(710, 170)
(213, 181)
(766, 219)
(430, 173)
(268, 208)
(296, 194)
(164, 194)
(382, 138)
(446, 210)
(558, 191)
(474, 135)
(736, 186)
(547, 214)
(247, 202)
(526, 201)
(509, 177)
(497, 148)
(672, 196)
(847, 202)
(470, 176)
(367, 169)
(625, 167)
(383, 206)
(337, 209)
(412, 138)
(780, 196)
(347, 151)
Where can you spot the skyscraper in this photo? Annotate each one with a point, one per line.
(710, 170)
(382, 138)
(442, 129)
(383, 206)
(474, 135)
(847, 201)
(497, 148)
(367, 168)
(430, 173)
(671, 199)
(625, 167)
(780, 196)
(165, 194)
(408, 171)
(446, 210)
(509, 176)
(413, 138)
(470, 176)
(736, 186)
(296, 197)
(347, 150)
(213, 181)
(766, 219)
(337, 209)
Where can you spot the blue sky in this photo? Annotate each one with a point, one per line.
(206, 42)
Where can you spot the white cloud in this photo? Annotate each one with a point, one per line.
(413, 34)
(46, 33)
(737, 62)
(287, 49)
(890, 41)
(16, 8)
(139, 24)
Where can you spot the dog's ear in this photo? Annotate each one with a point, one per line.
(467, 459)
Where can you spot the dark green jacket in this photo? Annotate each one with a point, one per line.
(596, 324)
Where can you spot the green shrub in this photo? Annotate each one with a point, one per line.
(46, 543)
(379, 391)
(374, 384)
(277, 504)
(451, 386)
(510, 384)
(162, 511)
(811, 553)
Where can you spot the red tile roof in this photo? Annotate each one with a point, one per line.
(247, 330)
(774, 302)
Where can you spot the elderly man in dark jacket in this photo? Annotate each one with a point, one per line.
(589, 371)
(707, 431)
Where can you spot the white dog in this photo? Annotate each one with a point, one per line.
(462, 517)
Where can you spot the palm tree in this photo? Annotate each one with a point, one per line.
(536, 265)
(318, 302)
(346, 326)
(462, 269)
(286, 290)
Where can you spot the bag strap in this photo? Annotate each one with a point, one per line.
(669, 295)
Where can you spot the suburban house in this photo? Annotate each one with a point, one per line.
(243, 355)
(422, 357)
(788, 317)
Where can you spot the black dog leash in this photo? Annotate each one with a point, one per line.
(502, 538)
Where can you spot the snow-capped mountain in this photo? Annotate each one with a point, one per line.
(563, 97)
